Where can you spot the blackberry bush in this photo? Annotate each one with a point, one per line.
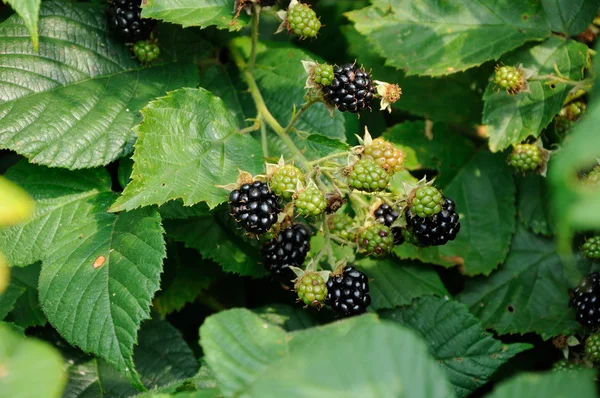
(186, 203)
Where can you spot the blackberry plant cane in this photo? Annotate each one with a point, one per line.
(221, 191)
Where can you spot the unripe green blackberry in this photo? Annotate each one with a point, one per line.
(367, 175)
(385, 154)
(509, 78)
(310, 202)
(343, 226)
(564, 366)
(285, 180)
(591, 248)
(525, 157)
(592, 347)
(303, 21)
(426, 202)
(146, 51)
(376, 239)
(593, 177)
(311, 289)
(323, 74)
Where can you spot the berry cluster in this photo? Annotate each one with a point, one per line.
(351, 89)
(525, 157)
(591, 248)
(592, 347)
(367, 175)
(509, 78)
(302, 21)
(348, 292)
(146, 51)
(434, 229)
(124, 19)
(255, 207)
(586, 300)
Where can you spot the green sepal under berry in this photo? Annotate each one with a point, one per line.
(526, 157)
(285, 179)
(376, 239)
(146, 51)
(509, 78)
(310, 201)
(426, 202)
(342, 225)
(367, 175)
(592, 347)
(311, 289)
(302, 20)
(593, 177)
(591, 248)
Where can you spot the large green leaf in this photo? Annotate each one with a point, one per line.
(188, 144)
(73, 104)
(96, 378)
(215, 238)
(529, 293)
(251, 357)
(512, 118)
(544, 385)
(533, 207)
(28, 367)
(395, 282)
(484, 192)
(570, 16)
(439, 38)
(98, 280)
(26, 309)
(29, 11)
(202, 13)
(468, 354)
(61, 197)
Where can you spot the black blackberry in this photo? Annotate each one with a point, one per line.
(348, 292)
(437, 229)
(255, 207)
(351, 89)
(398, 237)
(385, 214)
(124, 19)
(289, 248)
(586, 301)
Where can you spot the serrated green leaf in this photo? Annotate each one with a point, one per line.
(533, 206)
(73, 104)
(253, 358)
(188, 144)
(224, 81)
(29, 11)
(455, 98)
(439, 38)
(15, 204)
(552, 384)
(61, 196)
(484, 192)
(394, 282)
(202, 13)
(98, 280)
(96, 378)
(214, 237)
(468, 354)
(26, 311)
(424, 152)
(529, 293)
(512, 118)
(570, 16)
(23, 358)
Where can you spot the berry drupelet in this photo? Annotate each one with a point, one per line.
(351, 89)
(254, 207)
(385, 214)
(348, 292)
(289, 248)
(124, 19)
(586, 300)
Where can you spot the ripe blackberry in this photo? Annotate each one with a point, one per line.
(426, 202)
(367, 175)
(376, 239)
(343, 226)
(438, 229)
(285, 180)
(592, 347)
(585, 300)
(525, 157)
(386, 154)
(385, 214)
(348, 292)
(591, 248)
(311, 289)
(398, 237)
(254, 207)
(289, 249)
(351, 89)
(124, 19)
